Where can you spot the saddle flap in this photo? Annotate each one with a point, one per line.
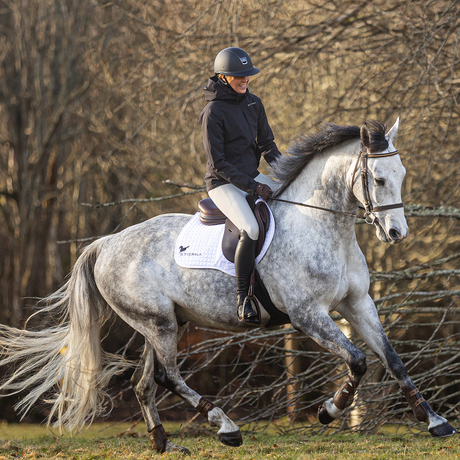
(230, 240)
(231, 234)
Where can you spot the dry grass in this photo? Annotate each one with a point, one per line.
(98, 443)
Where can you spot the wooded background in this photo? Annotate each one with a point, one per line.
(99, 104)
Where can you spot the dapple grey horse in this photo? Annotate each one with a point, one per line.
(314, 266)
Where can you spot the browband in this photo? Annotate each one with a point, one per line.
(381, 155)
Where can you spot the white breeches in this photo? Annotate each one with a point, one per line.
(232, 202)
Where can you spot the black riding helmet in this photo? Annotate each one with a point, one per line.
(234, 62)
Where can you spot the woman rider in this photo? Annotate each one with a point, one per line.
(236, 134)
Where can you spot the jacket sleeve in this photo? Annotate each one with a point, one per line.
(213, 140)
(266, 139)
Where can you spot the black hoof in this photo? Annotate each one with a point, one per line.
(442, 431)
(323, 416)
(232, 439)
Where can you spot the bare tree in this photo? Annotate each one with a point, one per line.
(41, 86)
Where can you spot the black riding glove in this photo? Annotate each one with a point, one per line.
(264, 191)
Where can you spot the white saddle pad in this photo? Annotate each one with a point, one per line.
(200, 246)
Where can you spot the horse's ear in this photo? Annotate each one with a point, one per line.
(365, 136)
(393, 131)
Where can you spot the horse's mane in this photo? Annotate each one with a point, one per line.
(303, 150)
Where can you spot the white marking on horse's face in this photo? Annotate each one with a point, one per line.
(385, 178)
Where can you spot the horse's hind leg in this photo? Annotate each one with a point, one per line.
(364, 318)
(161, 332)
(145, 388)
(163, 338)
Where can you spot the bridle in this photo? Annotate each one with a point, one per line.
(369, 209)
(369, 216)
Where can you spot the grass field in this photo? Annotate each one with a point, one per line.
(101, 443)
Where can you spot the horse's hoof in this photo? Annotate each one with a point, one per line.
(171, 448)
(232, 439)
(323, 415)
(442, 431)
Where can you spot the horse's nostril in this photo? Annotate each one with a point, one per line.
(394, 234)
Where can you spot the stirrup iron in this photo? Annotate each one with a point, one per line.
(253, 319)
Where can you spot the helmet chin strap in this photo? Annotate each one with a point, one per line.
(223, 79)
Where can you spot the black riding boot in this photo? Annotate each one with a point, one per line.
(244, 266)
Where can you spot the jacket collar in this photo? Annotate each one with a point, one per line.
(217, 91)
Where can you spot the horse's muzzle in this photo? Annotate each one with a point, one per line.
(396, 235)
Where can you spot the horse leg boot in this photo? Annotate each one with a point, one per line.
(244, 266)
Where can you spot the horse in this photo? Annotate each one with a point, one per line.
(313, 266)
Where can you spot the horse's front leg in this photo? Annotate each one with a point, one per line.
(362, 315)
(318, 325)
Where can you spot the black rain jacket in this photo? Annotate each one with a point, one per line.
(236, 134)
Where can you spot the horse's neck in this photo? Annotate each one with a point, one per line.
(325, 183)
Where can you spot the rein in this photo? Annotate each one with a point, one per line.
(368, 207)
(349, 214)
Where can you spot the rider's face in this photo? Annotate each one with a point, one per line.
(239, 84)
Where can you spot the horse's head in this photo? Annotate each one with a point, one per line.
(379, 189)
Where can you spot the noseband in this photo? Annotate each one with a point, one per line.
(369, 215)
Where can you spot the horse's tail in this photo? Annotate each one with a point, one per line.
(64, 363)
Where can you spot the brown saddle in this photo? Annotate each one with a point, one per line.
(210, 214)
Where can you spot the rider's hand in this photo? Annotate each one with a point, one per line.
(264, 191)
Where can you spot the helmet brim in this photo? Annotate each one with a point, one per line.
(241, 73)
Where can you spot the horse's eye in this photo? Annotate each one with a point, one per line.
(380, 182)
